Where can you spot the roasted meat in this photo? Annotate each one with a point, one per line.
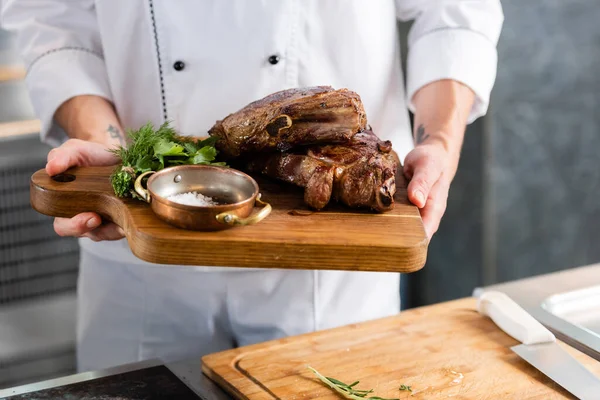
(291, 118)
(316, 138)
(359, 173)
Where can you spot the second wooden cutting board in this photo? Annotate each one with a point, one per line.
(442, 351)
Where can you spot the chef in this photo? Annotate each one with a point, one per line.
(98, 68)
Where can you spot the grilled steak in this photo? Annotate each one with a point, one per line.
(290, 118)
(359, 173)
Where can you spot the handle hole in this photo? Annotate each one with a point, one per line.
(63, 178)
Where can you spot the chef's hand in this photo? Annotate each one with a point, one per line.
(441, 112)
(428, 169)
(94, 127)
(79, 153)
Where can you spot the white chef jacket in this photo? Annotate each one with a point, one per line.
(127, 50)
(195, 61)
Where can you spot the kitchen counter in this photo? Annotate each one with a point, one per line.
(538, 295)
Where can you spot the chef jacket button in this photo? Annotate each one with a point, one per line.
(274, 59)
(179, 65)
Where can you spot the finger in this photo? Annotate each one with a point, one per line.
(435, 207)
(425, 173)
(64, 157)
(78, 225)
(107, 231)
(408, 167)
(412, 161)
(75, 152)
(52, 154)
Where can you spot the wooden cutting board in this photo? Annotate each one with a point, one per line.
(290, 237)
(442, 351)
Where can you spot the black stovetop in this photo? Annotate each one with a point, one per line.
(146, 384)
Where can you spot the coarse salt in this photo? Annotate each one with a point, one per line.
(192, 199)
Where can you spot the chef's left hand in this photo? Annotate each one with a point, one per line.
(429, 169)
(441, 111)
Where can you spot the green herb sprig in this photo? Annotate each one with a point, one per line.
(406, 388)
(346, 390)
(152, 149)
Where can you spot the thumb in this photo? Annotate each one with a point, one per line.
(425, 173)
(78, 153)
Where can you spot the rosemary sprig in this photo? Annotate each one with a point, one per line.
(346, 390)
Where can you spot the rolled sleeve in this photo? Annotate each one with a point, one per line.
(59, 75)
(459, 54)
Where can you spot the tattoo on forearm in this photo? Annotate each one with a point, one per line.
(420, 135)
(115, 134)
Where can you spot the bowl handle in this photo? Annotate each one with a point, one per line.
(139, 189)
(231, 219)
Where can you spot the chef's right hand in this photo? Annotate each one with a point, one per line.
(80, 153)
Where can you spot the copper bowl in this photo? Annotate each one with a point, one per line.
(235, 192)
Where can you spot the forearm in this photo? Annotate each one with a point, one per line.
(441, 112)
(90, 118)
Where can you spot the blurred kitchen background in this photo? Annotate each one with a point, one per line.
(38, 269)
(524, 202)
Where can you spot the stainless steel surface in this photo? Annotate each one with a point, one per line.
(189, 371)
(579, 307)
(566, 302)
(563, 369)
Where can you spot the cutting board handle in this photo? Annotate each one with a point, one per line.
(75, 191)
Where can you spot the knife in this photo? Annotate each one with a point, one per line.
(539, 347)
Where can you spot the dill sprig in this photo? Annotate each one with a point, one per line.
(347, 390)
(142, 143)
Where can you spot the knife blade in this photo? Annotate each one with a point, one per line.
(539, 347)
